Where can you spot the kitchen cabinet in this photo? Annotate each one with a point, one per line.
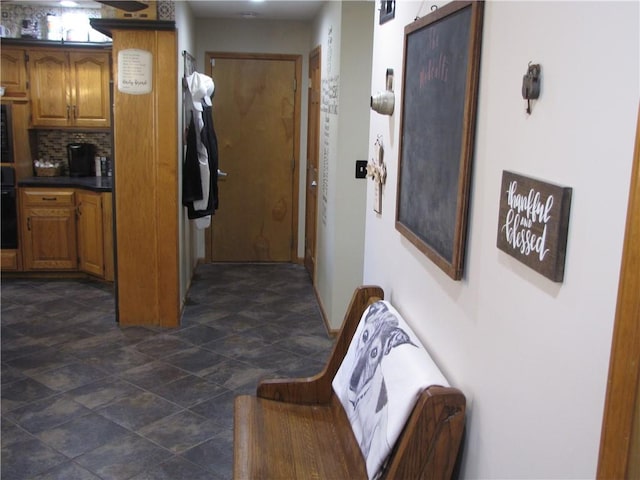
(13, 73)
(49, 229)
(69, 88)
(67, 229)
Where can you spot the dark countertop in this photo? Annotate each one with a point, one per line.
(97, 184)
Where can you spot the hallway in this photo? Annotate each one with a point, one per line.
(85, 399)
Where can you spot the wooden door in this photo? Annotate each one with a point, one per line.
(90, 233)
(254, 111)
(89, 92)
(313, 149)
(620, 439)
(49, 81)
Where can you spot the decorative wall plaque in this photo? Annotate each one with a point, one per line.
(533, 223)
(135, 68)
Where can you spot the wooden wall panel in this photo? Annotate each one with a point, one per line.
(146, 186)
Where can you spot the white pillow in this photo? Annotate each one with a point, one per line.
(380, 378)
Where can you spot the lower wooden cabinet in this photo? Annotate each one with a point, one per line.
(49, 230)
(10, 260)
(67, 230)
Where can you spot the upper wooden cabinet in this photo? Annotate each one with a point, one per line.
(69, 89)
(13, 73)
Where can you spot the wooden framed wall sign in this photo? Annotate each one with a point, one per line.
(533, 223)
(439, 97)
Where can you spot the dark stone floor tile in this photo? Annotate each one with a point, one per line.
(67, 471)
(200, 334)
(12, 433)
(180, 432)
(195, 360)
(241, 323)
(161, 346)
(234, 346)
(219, 409)
(19, 348)
(82, 434)
(100, 343)
(118, 360)
(69, 376)
(188, 391)
(176, 468)
(216, 454)
(48, 413)
(152, 374)
(102, 392)
(136, 411)
(10, 374)
(23, 391)
(307, 345)
(123, 457)
(233, 323)
(23, 460)
(234, 375)
(42, 360)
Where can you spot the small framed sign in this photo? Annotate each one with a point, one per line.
(135, 69)
(533, 223)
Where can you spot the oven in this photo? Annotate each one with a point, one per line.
(6, 135)
(9, 232)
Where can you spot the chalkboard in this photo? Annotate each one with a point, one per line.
(439, 97)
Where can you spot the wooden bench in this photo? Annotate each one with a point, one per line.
(297, 428)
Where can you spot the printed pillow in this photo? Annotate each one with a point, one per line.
(379, 381)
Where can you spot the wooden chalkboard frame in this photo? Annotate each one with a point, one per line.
(437, 131)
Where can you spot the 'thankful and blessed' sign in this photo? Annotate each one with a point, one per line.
(533, 223)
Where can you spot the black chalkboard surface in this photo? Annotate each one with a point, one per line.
(441, 66)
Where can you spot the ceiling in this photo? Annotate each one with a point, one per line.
(301, 10)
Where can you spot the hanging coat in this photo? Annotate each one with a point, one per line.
(200, 164)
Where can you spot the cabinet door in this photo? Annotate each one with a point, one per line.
(90, 233)
(48, 219)
(89, 89)
(13, 73)
(50, 238)
(49, 80)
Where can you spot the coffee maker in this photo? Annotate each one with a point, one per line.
(81, 159)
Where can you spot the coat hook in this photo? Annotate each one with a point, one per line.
(531, 84)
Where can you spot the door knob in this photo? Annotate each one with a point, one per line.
(314, 184)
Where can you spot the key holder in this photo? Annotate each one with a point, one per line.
(531, 85)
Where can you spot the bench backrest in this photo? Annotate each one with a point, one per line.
(429, 442)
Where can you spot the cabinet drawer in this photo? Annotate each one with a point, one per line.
(48, 197)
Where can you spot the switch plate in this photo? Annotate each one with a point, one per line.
(361, 169)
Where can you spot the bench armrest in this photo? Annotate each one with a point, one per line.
(317, 389)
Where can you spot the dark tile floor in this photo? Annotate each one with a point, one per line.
(85, 399)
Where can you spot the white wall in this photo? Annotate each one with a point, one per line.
(261, 36)
(344, 31)
(188, 247)
(530, 355)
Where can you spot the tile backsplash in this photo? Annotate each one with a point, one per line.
(52, 144)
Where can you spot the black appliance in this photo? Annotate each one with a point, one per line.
(6, 139)
(9, 217)
(81, 159)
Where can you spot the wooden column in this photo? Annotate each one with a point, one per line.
(146, 183)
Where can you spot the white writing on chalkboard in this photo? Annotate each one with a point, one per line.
(527, 214)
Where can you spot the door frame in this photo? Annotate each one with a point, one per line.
(619, 437)
(311, 266)
(295, 201)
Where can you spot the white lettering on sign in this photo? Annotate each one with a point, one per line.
(527, 213)
(135, 68)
